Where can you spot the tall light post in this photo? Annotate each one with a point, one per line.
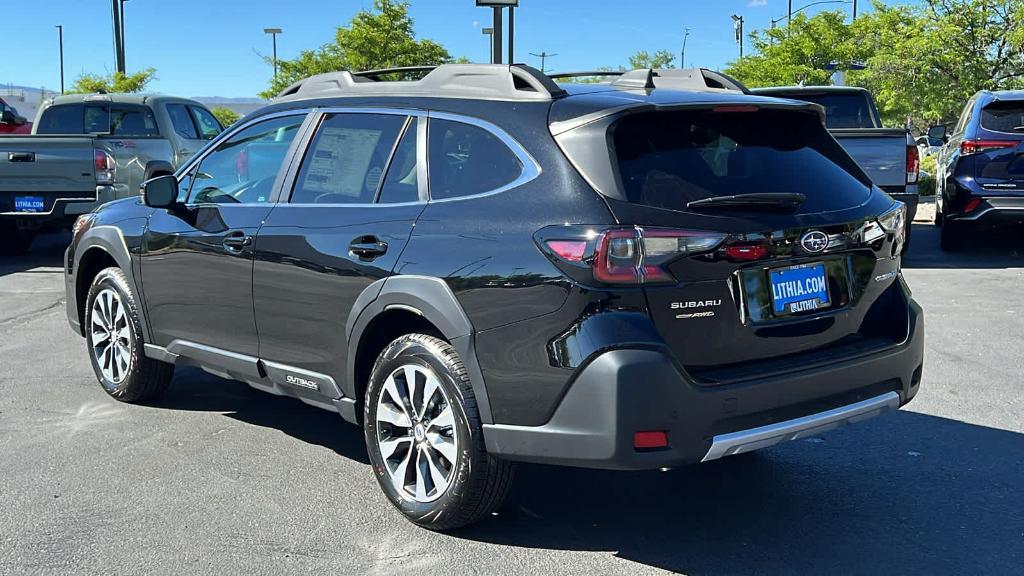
(124, 62)
(489, 32)
(497, 6)
(789, 15)
(60, 39)
(737, 26)
(682, 56)
(273, 34)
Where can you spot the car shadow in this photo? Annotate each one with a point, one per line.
(195, 390)
(996, 247)
(47, 251)
(905, 493)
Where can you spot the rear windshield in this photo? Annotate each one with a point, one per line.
(116, 120)
(1005, 116)
(849, 110)
(667, 159)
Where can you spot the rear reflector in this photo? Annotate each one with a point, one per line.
(975, 146)
(972, 205)
(650, 439)
(746, 253)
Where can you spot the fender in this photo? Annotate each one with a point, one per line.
(429, 297)
(109, 239)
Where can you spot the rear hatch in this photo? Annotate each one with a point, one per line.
(997, 151)
(786, 263)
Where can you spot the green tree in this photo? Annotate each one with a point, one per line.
(113, 83)
(660, 59)
(379, 38)
(225, 115)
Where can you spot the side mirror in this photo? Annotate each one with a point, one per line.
(937, 133)
(8, 117)
(160, 192)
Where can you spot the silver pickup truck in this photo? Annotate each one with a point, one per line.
(888, 155)
(85, 150)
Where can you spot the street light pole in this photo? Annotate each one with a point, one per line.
(124, 63)
(737, 23)
(682, 56)
(273, 34)
(511, 34)
(489, 32)
(60, 36)
(496, 37)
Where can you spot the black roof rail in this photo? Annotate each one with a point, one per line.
(671, 78)
(479, 81)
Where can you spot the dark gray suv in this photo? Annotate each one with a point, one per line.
(483, 266)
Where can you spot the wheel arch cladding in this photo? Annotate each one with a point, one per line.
(99, 247)
(404, 298)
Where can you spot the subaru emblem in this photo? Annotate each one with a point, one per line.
(814, 241)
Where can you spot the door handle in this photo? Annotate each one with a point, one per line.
(21, 156)
(236, 242)
(368, 247)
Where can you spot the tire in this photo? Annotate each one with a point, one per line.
(952, 237)
(938, 218)
(403, 436)
(14, 242)
(122, 368)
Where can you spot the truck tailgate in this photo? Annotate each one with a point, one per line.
(881, 152)
(34, 168)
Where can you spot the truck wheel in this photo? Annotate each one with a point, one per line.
(14, 242)
(952, 237)
(425, 438)
(114, 336)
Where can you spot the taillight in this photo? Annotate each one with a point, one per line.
(972, 205)
(623, 255)
(913, 164)
(105, 166)
(975, 146)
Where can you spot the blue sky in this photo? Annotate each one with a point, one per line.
(209, 47)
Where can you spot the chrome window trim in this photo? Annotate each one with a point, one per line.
(531, 168)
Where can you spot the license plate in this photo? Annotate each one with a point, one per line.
(799, 289)
(28, 204)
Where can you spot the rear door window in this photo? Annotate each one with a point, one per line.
(181, 120)
(1004, 116)
(209, 126)
(401, 184)
(345, 162)
(466, 159)
(667, 159)
(62, 119)
(120, 120)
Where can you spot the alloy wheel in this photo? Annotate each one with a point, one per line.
(111, 336)
(416, 433)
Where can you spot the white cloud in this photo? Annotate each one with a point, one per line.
(476, 23)
(757, 3)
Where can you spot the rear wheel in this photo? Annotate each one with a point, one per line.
(952, 236)
(114, 336)
(425, 438)
(14, 241)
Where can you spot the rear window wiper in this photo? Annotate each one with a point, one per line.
(784, 200)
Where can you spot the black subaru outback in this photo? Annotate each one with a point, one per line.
(484, 266)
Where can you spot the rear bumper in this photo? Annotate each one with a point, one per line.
(57, 206)
(621, 392)
(995, 209)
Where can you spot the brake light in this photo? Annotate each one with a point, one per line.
(734, 108)
(913, 164)
(975, 146)
(746, 253)
(628, 255)
(105, 166)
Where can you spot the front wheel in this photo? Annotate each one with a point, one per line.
(114, 337)
(425, 438)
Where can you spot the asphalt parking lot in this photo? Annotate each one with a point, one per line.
(217, 478)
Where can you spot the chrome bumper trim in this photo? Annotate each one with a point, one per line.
(764, 436)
